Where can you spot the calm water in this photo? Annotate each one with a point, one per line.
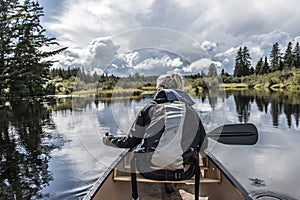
(52, 148)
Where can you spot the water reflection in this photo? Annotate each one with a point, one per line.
(36, 137)
(274, 103)
(25, 149)
(270, 165)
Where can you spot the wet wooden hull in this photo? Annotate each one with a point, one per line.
(215, 184)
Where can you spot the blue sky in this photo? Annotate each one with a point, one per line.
(220, 27)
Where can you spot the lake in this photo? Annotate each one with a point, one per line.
(51, 148)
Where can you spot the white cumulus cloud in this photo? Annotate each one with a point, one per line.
(100, 53)
(219, 26)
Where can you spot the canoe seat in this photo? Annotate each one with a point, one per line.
(209, 173)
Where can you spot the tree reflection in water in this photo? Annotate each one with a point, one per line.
(25, 144)
(273, 102)
(28, 134)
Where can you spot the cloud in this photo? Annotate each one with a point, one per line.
(80, 21)
(227, 59)
(131, 59)
(103, 51)
(159, 64)
(297, 39)
(147, 62)
(219, 27)
(97, 55)
(209, 45)
(261, 45)
(168, 14)
(198, 66)
(68, 58)
(258, 46)
(233, 21)
(100, 53)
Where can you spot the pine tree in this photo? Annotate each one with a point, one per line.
(296, 55)
(242, 62)
(6, 36)
(212, 71)
(259, 66)
(247, 60)
(265, 67)
(251, 70)
(202, 73)
(24, 69)
(238, 63)
(288, 57)
(275, 58)
(223, 72)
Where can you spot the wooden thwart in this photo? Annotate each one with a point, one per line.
(190, 181)
(209, 174)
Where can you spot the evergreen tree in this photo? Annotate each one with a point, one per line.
(242, 62)
(223, 72)
(95, 77)
(288, 57)
(275, 58)
(251, 70)
(6, 36)
(238, 63)
(259, 66)
(212, 70)
(247, 60)
(24, 69)
(265, 68)
(296, 55)
(202, 73)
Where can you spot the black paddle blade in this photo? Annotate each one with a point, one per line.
(239, 134)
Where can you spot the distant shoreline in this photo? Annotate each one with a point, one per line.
(275, 87)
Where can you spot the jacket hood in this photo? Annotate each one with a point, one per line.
(177, 95)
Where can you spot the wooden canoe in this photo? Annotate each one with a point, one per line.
(216, 183)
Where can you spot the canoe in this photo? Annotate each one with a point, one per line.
(216, 183)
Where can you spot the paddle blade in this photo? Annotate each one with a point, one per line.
(235, 134)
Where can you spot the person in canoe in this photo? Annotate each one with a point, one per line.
(167, 134)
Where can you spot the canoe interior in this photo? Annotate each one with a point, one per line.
(214, 185)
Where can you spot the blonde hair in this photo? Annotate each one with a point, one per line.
(170, 81)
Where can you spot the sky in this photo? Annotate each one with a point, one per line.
(97, 32)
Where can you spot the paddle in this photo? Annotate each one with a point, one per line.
(235, 134)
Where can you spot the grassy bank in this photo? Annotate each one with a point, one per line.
(118, 93)
(279, 80)
(230, 86)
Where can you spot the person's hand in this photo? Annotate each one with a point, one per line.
(105, 138)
